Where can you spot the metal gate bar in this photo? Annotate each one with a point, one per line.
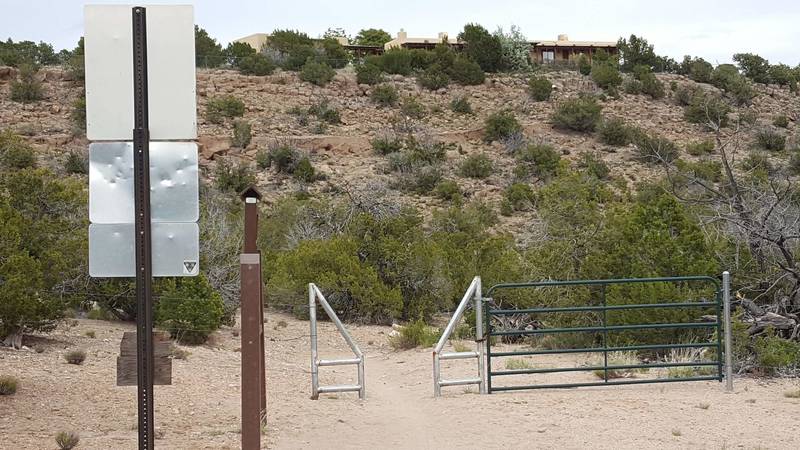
(605, 329)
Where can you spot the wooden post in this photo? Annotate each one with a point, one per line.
(254, 399)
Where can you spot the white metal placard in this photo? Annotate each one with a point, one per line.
(170, 70)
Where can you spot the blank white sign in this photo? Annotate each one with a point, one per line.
(108, 46)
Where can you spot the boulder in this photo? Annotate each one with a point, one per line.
(210, 146)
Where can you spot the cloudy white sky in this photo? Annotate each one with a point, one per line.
(711, 29)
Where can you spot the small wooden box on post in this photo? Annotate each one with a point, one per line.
(254, 397)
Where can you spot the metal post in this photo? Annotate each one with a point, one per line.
(252, 334)
(605, 334)
(312, 319)
(144, 268)
(488, 349)
(726, 299)
(479, 335)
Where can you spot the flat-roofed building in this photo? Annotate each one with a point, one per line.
(563, 50)
(403, 41)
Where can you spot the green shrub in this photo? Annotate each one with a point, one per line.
(517, 197)
(632, 86)
(543, 158)
(771, 140)
(256, 64)
(67, 440)
(241, 134)
(189, 308)
(284, 157)
(579, 114)
(334, 53)
(448, 190)
(700, 148)
(775, 353)
(226, 106)
(500, 125)
(461, 105)
(708, 170)
(368, 73)
(433, 78)
(540, 88)
(685, 93)
(654, 148)
(700, 71)
(652, 86)
(482, 47)
(781, 121)
(757, 163)
(396, 61)
(385, 95)
(78, 116)
(584, 65)
(15, 153)
(304, 171)
(614, 131)
(422, 180)
(594, 166)
(262, 159)
(8, 385)
(317, 73)
(76, 163)
(411, 107)
(466, 72)
(27, 89)
(673, 85)
(233, 177)
(606, 75)
(323, 110)
(76, 357)
(476, 166)
(415, 334)
(386, 144)
(794, 163)
(711, 111)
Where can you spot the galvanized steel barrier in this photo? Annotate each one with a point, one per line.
(315, 295)
(721, 300)
(473, 294)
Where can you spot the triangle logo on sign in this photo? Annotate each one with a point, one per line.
(189, 266)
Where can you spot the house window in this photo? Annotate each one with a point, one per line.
(548, 56)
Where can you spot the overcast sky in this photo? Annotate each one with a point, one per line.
(711, 29)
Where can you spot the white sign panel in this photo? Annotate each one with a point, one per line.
(173, 182)
(108, 47)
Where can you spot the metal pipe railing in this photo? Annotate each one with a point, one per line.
(314, 296)
(473, 294)
(726, 303)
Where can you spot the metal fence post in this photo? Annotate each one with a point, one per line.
(312, 318)
(479, 335)
(726, 299)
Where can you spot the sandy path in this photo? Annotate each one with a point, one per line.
(201, 409)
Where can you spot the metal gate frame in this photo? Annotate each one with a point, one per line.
(721, 302)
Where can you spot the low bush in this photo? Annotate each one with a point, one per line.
(241, 134)
(78, 116)
(700, 148)
(775, 353)
(518, 364)
(28, 88)
(708, 170)
(794, 163)
(517, 197)
(433, 78)
(256, 64)
(685, 93)
(317, 73)
(594, 166)
(323, 111)
(304, 171)
(578, 114)
(542, 158)
(621, 358)
(8, 385)
(415, 334)
(15, 153)
(771, 140)
(386, 144)
(226, 106)
(397, 61)
(448, 190)
(632, 86)
(189, 309)
(711, 111)
(584, 65)
(67, 440)
(540, 88)
(385, 95)
(500, 125)
(76, 163)
(652, 86)
(606, 75)
(411, 107)
(781, 121)
(368, 73)
(233, 177)
(76, 357)
(476, 166)
(758, 165)
(461, 105)
(614, 131)
(466, 71)
(654, 148)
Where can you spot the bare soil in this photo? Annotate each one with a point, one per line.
(200, 410)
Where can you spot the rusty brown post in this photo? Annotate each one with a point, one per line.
(254, 399)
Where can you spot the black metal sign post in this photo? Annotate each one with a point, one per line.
(144, 267)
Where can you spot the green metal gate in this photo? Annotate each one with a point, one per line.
(600, 310)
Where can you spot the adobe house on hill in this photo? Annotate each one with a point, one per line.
(563, 50)
(403, 41)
